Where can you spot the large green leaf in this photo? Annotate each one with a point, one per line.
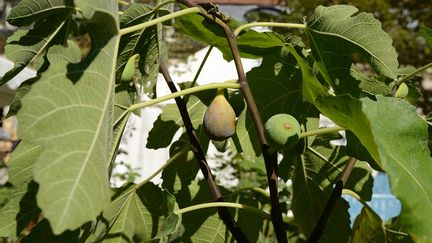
(24, 46)
(69, 112)
(21, 207)
(28, 11)
(135, 214)
(315, 173)
(338, 32)
(397, 139)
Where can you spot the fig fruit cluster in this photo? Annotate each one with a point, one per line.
(282, 131)
(220, 118)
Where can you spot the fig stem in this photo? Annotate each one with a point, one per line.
(412, 74)
(320, 131)
(194, 81)
(223, 204)
(268, 24)
(192, 90)
(159, 20)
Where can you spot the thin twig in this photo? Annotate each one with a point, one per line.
(269, 158)
(334, 197)
(202, 162)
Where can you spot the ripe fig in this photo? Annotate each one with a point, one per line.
(220, 119)
(129, 70)
(402, 91)
(282, 130)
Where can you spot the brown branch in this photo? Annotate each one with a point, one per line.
(202, 162)
(269, 158)
(334, 197)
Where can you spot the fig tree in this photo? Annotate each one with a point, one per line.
(282, 130)
(220, 119)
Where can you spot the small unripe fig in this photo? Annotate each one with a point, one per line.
(402, 91)
(282, 130)
(129, 70)
(220, 119)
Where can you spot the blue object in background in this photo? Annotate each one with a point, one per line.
(385, 204)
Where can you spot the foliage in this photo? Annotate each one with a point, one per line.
(72, 117)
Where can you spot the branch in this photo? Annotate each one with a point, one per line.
(269, 158)
(202, 162)
(334, 197)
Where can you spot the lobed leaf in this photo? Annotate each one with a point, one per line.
(336, 33)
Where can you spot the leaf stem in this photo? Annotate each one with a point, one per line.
(223, 204)
(192, 90)
(255, 189)
(186, 98)
(167, 163)
(164, 18)
(408, 76)
(268, 24)
(320, 131)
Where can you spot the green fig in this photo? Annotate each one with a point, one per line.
(282, 131)
(129, 70)
(402, 91)
(220, 119)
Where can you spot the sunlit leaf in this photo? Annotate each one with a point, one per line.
(338, 32)
(69, 112)
(400, 148)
